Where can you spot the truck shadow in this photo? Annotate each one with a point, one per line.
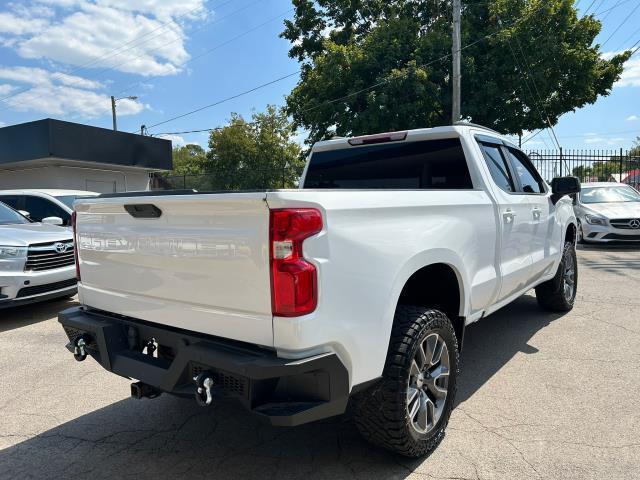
(24, 315)
(173, 438)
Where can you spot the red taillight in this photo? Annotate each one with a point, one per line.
(76, 244)
(294, 281)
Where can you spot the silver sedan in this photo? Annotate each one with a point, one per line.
(607, 212)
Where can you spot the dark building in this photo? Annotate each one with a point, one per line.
(54, 154)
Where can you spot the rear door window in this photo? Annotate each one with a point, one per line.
(430, 164)
(530, 180)
(498, 167)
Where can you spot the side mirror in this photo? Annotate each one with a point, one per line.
(53, 221)
(562, 186)
(24, 213)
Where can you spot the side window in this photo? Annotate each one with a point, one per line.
(12, 200)
(527, 174)
(40, 208)
(498, 167)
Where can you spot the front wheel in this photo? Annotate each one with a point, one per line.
(580, 234)
(408, 410)
(559, 293)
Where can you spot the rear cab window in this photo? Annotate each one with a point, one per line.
(424, 164)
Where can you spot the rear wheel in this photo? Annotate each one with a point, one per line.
(559, 293)
(408, 410)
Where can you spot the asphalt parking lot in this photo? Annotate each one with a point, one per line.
(541, 396)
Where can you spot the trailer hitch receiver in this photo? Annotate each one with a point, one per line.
(204, 384)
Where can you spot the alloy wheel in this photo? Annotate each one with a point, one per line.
(569, 277)
(428, 383)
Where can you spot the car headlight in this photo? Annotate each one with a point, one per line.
(593, 220)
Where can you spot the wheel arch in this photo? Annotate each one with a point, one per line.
(571, 232)
(449, 293)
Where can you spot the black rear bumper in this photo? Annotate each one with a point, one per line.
(287, 392)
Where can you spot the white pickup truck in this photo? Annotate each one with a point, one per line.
(358, 286)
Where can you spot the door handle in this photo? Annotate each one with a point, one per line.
(508, 215)
(536, 212)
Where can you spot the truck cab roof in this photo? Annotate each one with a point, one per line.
(448, 131)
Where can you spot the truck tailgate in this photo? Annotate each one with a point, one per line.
(202, 265)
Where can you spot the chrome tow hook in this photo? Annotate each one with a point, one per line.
(204, 384)
(79, 353)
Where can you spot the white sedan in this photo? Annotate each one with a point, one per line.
(608, 212)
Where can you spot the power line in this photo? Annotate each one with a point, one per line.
(620, 25)
(628, 38)
(233, 97)
(610, 9)
(216, 47)
(589, 7)
(326, 102)
(342, 98)
(527, 74)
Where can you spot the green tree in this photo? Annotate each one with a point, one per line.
(188, 160)
(261, 153)
(635, 150)
(386, 64)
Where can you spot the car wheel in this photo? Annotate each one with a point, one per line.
(407, 411)
(580, 239)
(559, 293)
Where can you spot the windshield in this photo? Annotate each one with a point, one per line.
(8, 216)
(614, 194)
(69, 199)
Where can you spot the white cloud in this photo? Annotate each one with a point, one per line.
(61, 94)
(596, 140)
(632, 118)
(148, 35)
(176, 140)
(631, 75)
(13, 24)
(6, 89)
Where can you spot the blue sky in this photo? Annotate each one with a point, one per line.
(64, 58)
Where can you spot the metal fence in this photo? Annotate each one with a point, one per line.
(588, 165)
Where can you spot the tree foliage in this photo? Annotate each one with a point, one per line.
(257, 154)
(188, 160)
(260, 153)
(635, 150)
(387, 66)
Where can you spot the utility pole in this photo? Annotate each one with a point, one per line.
(113, 108)
(113, 112)
(455, 51)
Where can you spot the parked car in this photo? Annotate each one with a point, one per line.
(357, 286)
(36, 260)
(41, 204)
(607, 212)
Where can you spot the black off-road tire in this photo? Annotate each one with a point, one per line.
(380, 413)
(551, 294)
